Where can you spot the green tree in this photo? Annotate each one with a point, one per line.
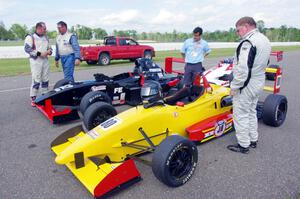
(99, 33)
(19, 31)
(260, 24)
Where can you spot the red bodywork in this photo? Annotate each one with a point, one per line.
(116, 48)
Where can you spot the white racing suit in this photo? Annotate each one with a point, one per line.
(252, 57)
(40, 67)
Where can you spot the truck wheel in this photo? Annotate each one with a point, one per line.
(104, 59)
(98, 113)
(174, 160)
(148, 54)
(274, 110)
(271, 76)
(91, 62)
(92, 97)
(60, 83)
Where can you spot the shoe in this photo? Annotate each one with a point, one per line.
(32, 101)
(238, 148)
(253, 144)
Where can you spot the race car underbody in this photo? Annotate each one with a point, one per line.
(103, 158)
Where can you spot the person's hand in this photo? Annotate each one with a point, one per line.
(56, 64)
(77, 62)
(49, 52)
(233, 92)
(44, 54)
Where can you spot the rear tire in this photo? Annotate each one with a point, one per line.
(60, 83)
(92, 97)
(98, 113)
(174, 160)
(104, 59)
(274, 110)
(271, 76)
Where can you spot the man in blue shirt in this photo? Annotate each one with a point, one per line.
(68, 50)
(193, 51)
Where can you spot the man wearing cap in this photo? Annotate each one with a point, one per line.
(68, 50)
(193, 51)
(38, 47)
(252, 57)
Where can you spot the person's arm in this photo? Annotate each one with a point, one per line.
(183, 50)
(207, 50)
(29, 47)
(75, 46)
(241, 70)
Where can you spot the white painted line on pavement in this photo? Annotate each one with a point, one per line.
(17, 89)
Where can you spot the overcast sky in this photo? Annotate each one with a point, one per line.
(150, 15)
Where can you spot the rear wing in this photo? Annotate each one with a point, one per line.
(276, 87)
(278, 55)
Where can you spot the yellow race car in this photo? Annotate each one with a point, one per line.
(103, 158)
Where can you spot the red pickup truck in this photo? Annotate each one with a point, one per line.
(115, 48)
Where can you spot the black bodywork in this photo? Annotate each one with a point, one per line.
(123, 88)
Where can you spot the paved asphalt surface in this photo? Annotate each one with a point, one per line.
(28, 170)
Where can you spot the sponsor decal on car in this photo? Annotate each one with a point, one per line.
(98, 88)
(114, 121)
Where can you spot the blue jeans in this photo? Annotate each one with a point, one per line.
(68, 64)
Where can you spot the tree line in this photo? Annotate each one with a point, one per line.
(281, 34)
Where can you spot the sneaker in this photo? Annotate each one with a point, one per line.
(253, 144)
(238, 148)
(32, 101)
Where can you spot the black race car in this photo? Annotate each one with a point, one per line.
(66, 99)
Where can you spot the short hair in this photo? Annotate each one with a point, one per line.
(62, 23)
(198, 30)
(40, 24)
(246, 20)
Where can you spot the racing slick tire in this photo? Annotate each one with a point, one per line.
(89, 62)
(92, 97)
(148, 54)
(98, 113)
(60, 83)
(104, 59)
(274, 110)
(174, 160)
(271, 76)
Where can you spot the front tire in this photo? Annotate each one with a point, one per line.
(92, 97)
(60, 83)
(274, 110)
(98, 113)
(175, 160)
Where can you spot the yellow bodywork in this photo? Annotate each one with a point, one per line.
(111, 138)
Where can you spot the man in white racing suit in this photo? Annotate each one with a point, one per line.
(252, 57)
(38, 47)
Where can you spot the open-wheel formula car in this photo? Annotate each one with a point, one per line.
(66, 99)
(103, 158)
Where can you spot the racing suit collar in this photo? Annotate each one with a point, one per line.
(38, 34)
(246, 36)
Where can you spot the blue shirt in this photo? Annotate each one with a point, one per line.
(194, 51)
